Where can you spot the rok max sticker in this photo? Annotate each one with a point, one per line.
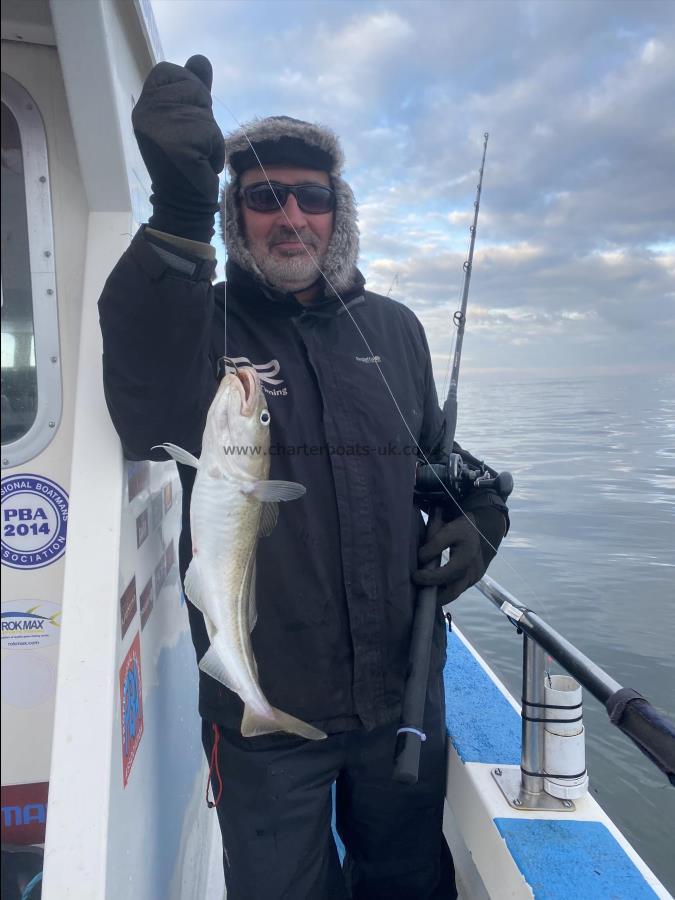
(131, 706)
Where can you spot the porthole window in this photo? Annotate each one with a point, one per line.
(19, 375)
(31, 371)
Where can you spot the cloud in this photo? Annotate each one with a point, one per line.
(575, 256)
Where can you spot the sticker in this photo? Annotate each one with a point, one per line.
(168, 496)
(160, 575)
(30, 623)
(138, 477)
(128, 606)
(169, 558)
(147, 602)
(34, 521)
(28, 679)
(24, 813)
(131, 706)
(156, 510)
(142, 528)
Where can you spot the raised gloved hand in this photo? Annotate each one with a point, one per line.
(182, 147)
(472, 544)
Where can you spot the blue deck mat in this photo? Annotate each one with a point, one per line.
(481, 723)
(570, 860)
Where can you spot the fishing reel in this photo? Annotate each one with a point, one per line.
(458, 476)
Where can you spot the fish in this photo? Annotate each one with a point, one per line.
(233, 503)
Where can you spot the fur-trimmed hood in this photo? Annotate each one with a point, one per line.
(281, 138)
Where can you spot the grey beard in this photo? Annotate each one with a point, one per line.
(289, 273)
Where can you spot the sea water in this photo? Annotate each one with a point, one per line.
(592, 549)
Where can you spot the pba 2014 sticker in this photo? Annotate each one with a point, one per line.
(131, 706)
(34, 521)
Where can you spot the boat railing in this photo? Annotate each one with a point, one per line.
(649, 729)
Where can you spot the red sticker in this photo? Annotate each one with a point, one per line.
(131, 706)
(24, 813)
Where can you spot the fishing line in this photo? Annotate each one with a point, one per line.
(222, 229)
(370, 352)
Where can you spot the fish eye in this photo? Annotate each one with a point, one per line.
(264, 417)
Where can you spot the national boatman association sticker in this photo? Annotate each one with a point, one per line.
(34, 521)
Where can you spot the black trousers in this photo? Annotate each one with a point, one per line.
(275, 811)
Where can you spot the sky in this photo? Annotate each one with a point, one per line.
(574, 266)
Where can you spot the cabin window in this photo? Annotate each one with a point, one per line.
(19, 375)
(31, 378)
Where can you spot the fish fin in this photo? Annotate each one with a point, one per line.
(272, 491)
(193, 591)
(270, 514)
(254, 724)
(193, 587)
(211, 664)
(180, 455)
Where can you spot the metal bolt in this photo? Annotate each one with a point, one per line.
(42, 179)
(48, 253)
(567, 803)
(498, 772)
(50, 291)
(517, 802)
(54, 359)
(52, 424)
(5, 462)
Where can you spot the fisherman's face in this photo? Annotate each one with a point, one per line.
(271, 238)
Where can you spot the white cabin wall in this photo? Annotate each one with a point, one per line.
(27, 730)
(134, 827)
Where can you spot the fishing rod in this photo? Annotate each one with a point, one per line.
(459, 475)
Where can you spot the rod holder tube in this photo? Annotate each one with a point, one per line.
(532, 751)
(649, 729)
(564, 749)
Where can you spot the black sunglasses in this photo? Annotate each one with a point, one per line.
(265, 197)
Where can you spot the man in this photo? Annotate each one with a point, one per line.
(333, 588)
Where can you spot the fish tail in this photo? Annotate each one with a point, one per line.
(254, 724)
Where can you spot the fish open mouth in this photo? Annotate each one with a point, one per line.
(249, 381)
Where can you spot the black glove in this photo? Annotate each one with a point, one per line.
(473, 545)
(182, 147)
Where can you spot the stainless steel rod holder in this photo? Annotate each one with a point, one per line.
(532, 750)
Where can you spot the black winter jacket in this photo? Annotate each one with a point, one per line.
(334, 596)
